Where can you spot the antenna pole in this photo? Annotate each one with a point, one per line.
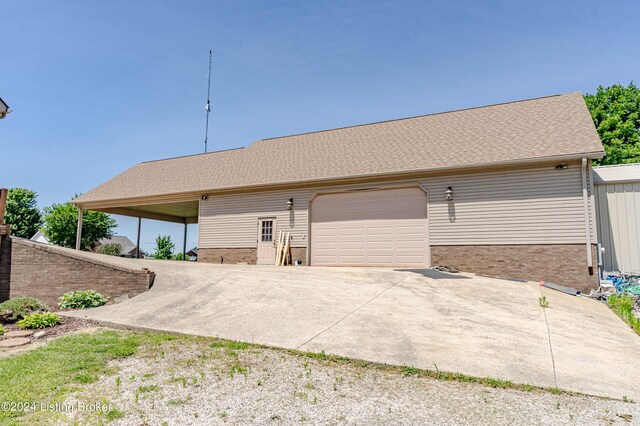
(208, 105)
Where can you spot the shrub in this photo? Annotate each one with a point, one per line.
(1, 330)
(42, 320)
(622, 304)
(16, 309)
(82, 299)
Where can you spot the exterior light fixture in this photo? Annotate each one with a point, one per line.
(562, 166)
(448, 194)
(204, 198)
(290, 204)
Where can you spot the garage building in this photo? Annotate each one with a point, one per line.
(503, 189)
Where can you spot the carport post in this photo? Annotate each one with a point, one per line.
(184, 243)
(79, 231)
(138, 241)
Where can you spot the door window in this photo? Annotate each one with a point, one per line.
(267, 231)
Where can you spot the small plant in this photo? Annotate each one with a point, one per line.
(150, 388)
(16, 309)
(543, 301)
(1, 330)
(409, 371)
(43, 320)
(81, 300)
(118, 382)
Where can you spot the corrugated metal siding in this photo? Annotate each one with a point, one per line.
(534, 206)
(527, 206)
(618, 213)
(231, 221)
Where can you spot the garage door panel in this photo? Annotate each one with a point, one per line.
(377, 228)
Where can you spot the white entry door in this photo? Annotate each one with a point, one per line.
(266, 241)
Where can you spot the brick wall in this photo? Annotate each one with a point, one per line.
(5, 267)
(560, 264)
(47, 272)
(242, 255)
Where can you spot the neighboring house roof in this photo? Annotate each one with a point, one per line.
(40, 237)
(127, 245)
(4, 109)
(617, 173)
(193, 252)
(538, 129)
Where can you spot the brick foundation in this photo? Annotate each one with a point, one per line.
(47, 272)
(228, 255)
(242, 255)
(561, 264)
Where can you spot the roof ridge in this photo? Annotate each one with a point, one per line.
(192, 155)
(419, 116)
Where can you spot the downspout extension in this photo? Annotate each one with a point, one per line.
(587, 224)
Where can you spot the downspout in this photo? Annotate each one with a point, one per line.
(587, 226)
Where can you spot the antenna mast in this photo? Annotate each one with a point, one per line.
(207, 107)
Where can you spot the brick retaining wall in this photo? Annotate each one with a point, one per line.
(47, 272)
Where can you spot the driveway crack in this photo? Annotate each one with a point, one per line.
(553, 360)
(354, 311)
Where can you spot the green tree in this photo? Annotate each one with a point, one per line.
(110, 249)
(22, 212)
(61, 223)
(616, 113)
(164, 247)
(178, 256)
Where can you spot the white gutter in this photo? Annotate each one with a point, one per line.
(587, 225)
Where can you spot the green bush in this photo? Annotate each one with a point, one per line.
(82, 299)
(16, 309)
(622, 304)
(43, 320)
(1, 330)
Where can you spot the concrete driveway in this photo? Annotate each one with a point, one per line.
(459, 323)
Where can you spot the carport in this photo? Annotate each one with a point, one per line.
(176, 211)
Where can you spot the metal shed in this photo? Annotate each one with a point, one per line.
(617, 190)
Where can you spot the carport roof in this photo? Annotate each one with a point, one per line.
(537, 129)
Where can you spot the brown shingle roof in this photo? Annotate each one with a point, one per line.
(529, 130)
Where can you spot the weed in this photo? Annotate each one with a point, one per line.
(301, 395)
(223, 415)
(150, 388)
(114, 415)
(557, 405)
(179, 401)
(542, 301)
(409, 371)
(237, 368)
(622, 305)
(147, 376)
(85, 378)
(118, 382)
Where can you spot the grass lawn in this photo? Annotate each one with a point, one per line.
(47, 374)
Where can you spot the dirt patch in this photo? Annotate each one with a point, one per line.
(68, 325)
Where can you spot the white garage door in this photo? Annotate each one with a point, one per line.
(370, 228)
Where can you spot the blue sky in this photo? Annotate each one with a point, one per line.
(98, 86)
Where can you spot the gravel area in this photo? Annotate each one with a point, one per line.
(191, 382)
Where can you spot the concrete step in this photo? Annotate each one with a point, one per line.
(14, 342)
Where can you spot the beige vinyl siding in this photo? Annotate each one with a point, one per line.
(531, 206)
(231, 221)
(618, 210)
(539, 205)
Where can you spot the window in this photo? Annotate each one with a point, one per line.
(267, 231)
